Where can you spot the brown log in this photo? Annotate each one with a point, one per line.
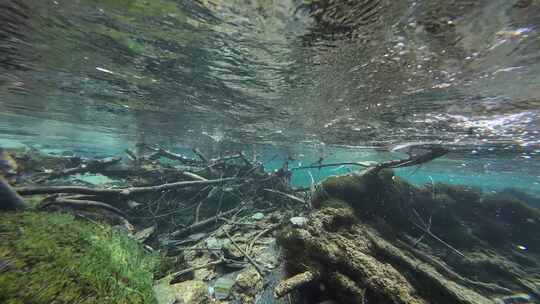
(294, 282)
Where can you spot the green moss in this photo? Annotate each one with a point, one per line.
(334, 203)
(34, 200)
(348, 188)
(54, 258)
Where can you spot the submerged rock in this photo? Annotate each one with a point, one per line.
(230, 251)
(191, 292)
(223, 287)
(258, 216)
(248, 284)
(163, 293)
(298, 221)
(144, 234)
(215, 243)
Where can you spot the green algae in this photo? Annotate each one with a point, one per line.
(54, 258)
(461, 215)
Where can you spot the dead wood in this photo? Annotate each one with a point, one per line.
(202, 224)
(294, 282)
(319, 166)
(290, 196)
(119, 191)
(200, 155)
(84, 204)
(351, 258)
(160, 152)
(89, 166)
(177, 275)
(247, 256)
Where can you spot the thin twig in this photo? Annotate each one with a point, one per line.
(251, 261)
(332, 165)
(178, 274)
(83, 203)
(426, 229)
(265, 231)
(292, 197)
(200, 155)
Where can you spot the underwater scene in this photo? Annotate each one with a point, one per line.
(270, 151)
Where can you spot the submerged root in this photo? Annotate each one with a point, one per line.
(352, 242)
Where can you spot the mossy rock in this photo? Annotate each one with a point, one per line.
(521, 221)
(372, 193)
(460, 193)
(54, 258)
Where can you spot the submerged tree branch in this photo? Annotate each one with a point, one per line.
(77, 203)
(119, 191)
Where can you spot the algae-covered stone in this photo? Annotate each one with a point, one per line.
(215, 243)
(298, 221)
(223, 287)
(144, 234)
(164, 293)
(191, 292)
(248, 284)
(257, 216)
(230, 251)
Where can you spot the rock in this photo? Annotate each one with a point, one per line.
(223, 287)
(93, 179)
(191, 292)
(215, 243)
(196, 237)
(248, 284)
(230, 251)
(163, 293)
(267, 256)
(298, 221)
(257, 216)
(144, 234)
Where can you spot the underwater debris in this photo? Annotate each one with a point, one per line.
(520, 298)
(367, 236)
(357, 243)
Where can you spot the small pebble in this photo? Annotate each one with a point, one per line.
(257, 216)
(298, 221)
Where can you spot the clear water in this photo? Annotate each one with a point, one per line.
(345, 81)
(94, 77)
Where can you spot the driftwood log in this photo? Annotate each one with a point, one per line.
(352, 251)
(355, 265)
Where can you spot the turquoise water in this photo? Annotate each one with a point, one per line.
(289, 83)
